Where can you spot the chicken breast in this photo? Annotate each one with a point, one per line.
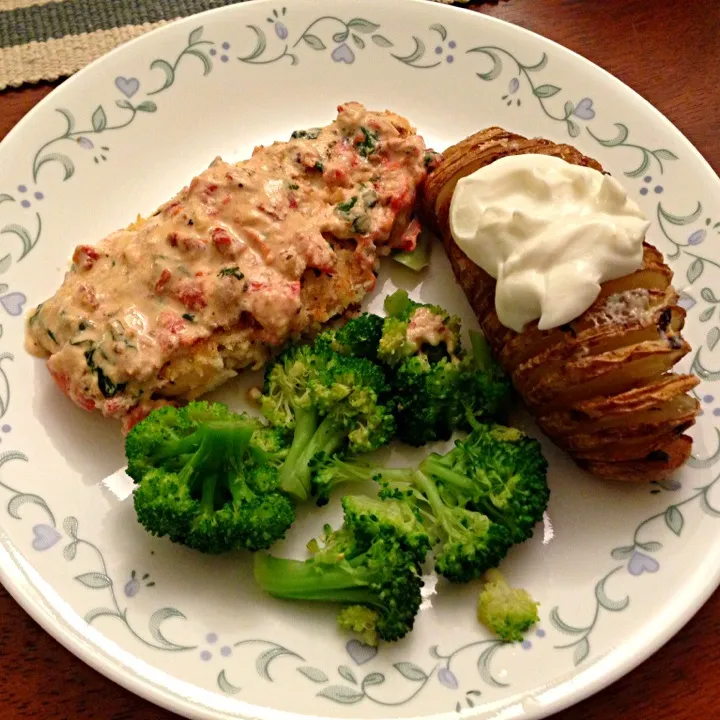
(244, 258)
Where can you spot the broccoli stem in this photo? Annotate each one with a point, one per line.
(209, 488)
(436, 468)
(480, 350)
(479, 500)
(352, 472)
(427, 487)
(328, 438)
(298, 580)
(306, 421)
(194, 441)
(220, 443)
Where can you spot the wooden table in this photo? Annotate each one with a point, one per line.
(668, 51)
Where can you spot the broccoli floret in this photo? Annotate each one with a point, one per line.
(507, 611)
(368, 518)
(198, 481)
(434, 399)
(377, 574)
(411, 328)
(163, 428)
(470, 542)
(428, 399)
(358, 337)
(498, 471)
(330, 402)
(487, 493)
(437, 387)
(486, 386)
(269, 444)
(362, 621)
(329, 471)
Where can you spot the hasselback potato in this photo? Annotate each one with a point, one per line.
(602, 387)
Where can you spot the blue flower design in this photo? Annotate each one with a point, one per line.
(447, 678)
(212, 639)
(223, 56)
(343, 53)
(584, 109)
(697, 237)
(641, 563)
(449, 58)
(135, 584)
(280, 28)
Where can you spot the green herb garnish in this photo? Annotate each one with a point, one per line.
(348, 205)
(368, 145)
(34, 316)
(189, 317)
(370, 198)
(310, 134)
(361, 224)
(233, 271)
(107, 387)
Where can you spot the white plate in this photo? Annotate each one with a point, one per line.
(621, 569)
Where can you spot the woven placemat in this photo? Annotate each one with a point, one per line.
(41, 40)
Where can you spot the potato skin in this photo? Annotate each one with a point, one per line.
(601, 387)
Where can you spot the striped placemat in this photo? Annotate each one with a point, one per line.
(41, 40)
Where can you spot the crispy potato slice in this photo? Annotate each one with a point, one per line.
(609, 411)
(637, 448)
(635, 309)
(660, 324)
(605, 374)
(670, 418)
(600, 386)
(659, 465)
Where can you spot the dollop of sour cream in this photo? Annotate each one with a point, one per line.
(549, 232)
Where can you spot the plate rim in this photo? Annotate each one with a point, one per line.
(81, 643)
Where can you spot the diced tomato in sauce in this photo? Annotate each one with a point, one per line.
(85, 257)
(408, 240)
(191, 294)
(171, 321)
(85, 402)
(62, 380)
(222, 240)
(163, 280)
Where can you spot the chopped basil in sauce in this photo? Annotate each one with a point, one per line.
(368, 145)
(348, 205)
(310, 134)
(233, 271)
(361, 224)
(107, 387)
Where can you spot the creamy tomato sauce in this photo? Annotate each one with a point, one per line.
(426, 327)
(232, 247)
